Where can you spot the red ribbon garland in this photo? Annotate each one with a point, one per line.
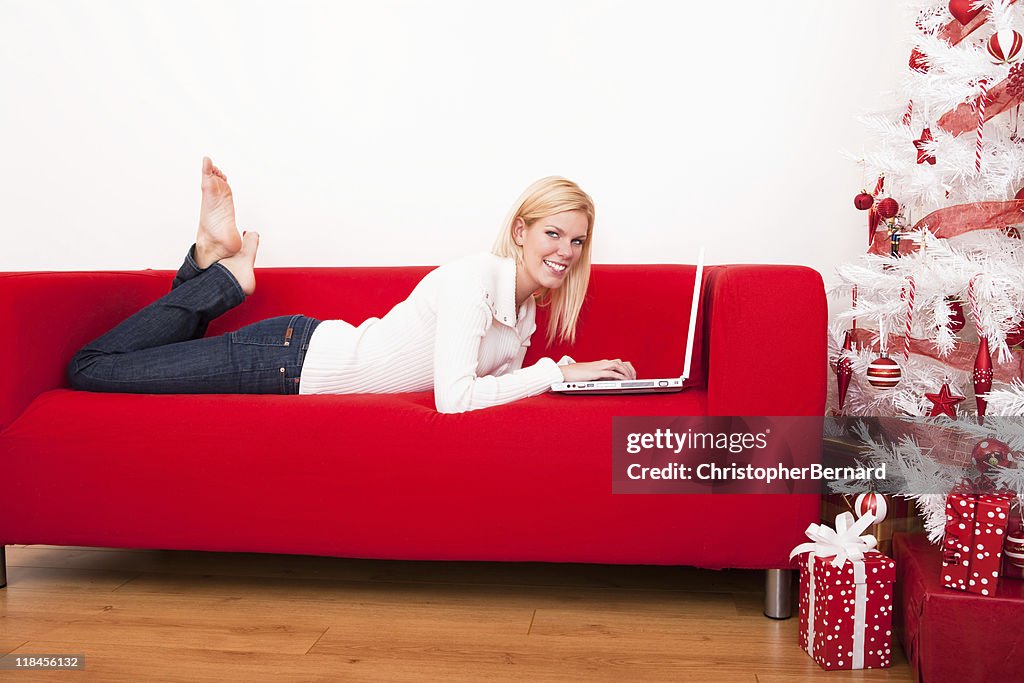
(957, 220)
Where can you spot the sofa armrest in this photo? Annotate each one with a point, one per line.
(765, 340)
(51, 315)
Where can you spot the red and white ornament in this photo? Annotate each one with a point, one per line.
(1013, 550)
(884, 373)
(991, 453)
(873, 503)
(1004, 46)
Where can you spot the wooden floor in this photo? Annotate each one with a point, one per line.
(190, 616)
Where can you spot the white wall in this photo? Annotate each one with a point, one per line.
(400, 132)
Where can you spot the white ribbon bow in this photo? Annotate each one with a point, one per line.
(845, 541)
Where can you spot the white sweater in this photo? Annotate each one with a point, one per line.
(456, 333)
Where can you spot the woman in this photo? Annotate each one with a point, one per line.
(463, 331)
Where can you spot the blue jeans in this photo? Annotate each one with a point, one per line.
(161, 349)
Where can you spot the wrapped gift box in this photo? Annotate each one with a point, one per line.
(846, 612)
(953, 636)
(972, 547)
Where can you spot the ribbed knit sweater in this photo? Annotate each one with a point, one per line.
(458, 333)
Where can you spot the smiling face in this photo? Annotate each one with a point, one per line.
(551, 248)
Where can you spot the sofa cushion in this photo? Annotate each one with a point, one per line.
(381, 476)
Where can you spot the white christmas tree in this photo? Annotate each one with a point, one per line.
(936, 311)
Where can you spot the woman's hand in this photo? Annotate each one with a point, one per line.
(598, 369)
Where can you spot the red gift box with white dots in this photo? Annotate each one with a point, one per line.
(846, 612)
(972, 546)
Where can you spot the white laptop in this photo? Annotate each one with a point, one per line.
(646, 386)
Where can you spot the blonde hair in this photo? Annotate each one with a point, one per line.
(544, 198)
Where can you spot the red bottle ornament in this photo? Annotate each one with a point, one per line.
(888, 208)
(982, 377)
(991, 453)
(844, 371)
(884, 373)
(863, 201)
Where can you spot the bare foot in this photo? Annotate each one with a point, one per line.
(240, 265)
(218, 236)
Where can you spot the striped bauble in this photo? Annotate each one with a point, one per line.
(1004, 46)
(873, 503)
(884, 373)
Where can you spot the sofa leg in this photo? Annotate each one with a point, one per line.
(777, 598)
(3, 565)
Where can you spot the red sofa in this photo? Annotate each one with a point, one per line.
(386, 476)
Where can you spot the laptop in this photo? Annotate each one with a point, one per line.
(646, 386)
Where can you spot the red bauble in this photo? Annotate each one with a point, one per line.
(884, 373)
(962, 11)
(873, 503)
(982, 377)
(1020, 194)
(1004, 46)
(957, 319)
(991, 453)
(888, 208)
(918, 62)
(1012, 231)
(863, 201)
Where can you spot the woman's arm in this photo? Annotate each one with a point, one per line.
(463, 318)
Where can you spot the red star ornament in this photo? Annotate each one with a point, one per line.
(944, 402)
(923, 156)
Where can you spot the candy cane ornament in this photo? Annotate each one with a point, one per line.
(909, 293)
(980, 106)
